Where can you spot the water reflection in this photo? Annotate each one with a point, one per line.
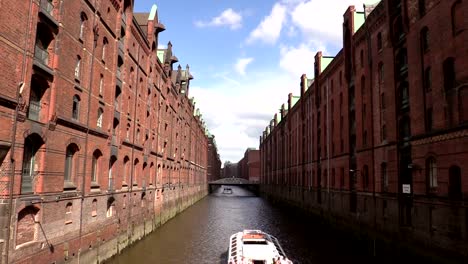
(200, 234)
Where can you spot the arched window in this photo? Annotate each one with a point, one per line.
(449, 73)
(70, 162)
(455, 183)
(127, 136)
(96, 166)
(101, 85)
(78, 68)
(104, 48)
(135, 172)
(381, 72)
(424, 37)
(126, 170)
(26, 227)
(94, 208)
(110, 207)
(83, 19)
(137, 138)
(31, 145)
(76, 107)
(68, 213)
(110, 175)
(427, 79)
(458, 18)
(431, 173)
(100, 117)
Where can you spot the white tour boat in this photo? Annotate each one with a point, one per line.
(255, 247)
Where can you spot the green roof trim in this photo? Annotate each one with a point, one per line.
(278, 117)
(161, 55)
(294, 100)
(359, 18)
(325, 61)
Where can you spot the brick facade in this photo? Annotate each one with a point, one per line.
(249, 165)
(99, 141)
(379, 136)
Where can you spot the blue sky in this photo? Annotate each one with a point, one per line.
(246, 56)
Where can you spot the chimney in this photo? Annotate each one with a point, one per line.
(289, 101)
(282, 111)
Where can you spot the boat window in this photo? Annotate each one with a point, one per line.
(253, 242)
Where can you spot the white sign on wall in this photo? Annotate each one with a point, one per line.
(407, 188)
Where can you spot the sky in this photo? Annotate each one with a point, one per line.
(246, 56)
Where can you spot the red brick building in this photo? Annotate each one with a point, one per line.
(214, 162)
(249, 165)
(99, 142)
(379, 136)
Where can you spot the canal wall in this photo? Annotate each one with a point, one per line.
(106, 231)
(438, 230)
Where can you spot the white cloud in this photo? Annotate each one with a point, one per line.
(238, 114)
(269, 30)
(322, 20)
(299, 60)
(228, 17)
(241, 65)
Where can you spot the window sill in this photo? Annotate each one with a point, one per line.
(69, 186)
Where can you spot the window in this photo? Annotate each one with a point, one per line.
(449, 73)
(429, 119)
(27, 225)
(35, 105)
(458, 18)
(104, 48)
(100, 117)
(95, 166)
(101, 85)
(110, 207)
(427, 79)
(422, 8)
(382, 101)
(381, 73)
(83, 19)
(137, 138)
(126, 170)
(68, 213)
(78, 68)
(424, 36)
(384, 176)
(76, 107)
(431, 172)
(379, 41)
(31, 145)
(94, 208)
(69, 162)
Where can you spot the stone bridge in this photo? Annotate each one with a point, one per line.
(251, 186)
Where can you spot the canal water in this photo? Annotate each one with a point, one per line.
(200, 234)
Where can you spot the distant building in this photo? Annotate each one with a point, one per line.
(214, 162)
(249, 165)
(230, 170)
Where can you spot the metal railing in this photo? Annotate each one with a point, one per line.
(47, 6)
(41, 54)
(34, 110)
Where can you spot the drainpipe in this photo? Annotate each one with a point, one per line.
(5, 257)
(90, 88)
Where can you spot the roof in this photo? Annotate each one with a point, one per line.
(325, 61)
(161, 54)
(294, 100)
(359, 18)
(142, 20)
